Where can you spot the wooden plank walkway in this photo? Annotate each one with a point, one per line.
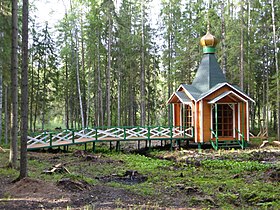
(108, 134)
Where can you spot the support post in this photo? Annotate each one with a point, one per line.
(118, 146)
(149, 139)
(124, 133)
(96, 134)
(93, 147)
(188, 143)
(179, 143)
(199, 146)
(171, 137)
(51, 139)
(73, 136)
(216, 120)
(45, 133)
(242, 126)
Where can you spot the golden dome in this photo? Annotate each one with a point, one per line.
(208, 40)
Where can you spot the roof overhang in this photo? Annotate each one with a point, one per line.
(180, 96)
(222, 85)
(186, 91)
(230, 94)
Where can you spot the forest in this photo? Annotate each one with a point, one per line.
(109, 63)
(116, 63)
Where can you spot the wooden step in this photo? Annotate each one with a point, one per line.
(227, 144)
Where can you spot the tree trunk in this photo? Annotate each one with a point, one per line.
(119, 97)
(99, 87)
(37, 98)
(108, 85)
(14, 78)
(44, 94)
(24, 92)
(169, 76)
(66, 94)
(7, 118)
(83, 86)
(31, 95)
(242, 47)
(142, 79)
(78, 81)
(88, 102)
(1, 74)
(1, 93)
(267, 100)
(276, 68)
(224, 57)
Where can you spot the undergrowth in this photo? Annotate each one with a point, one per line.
(211, 183)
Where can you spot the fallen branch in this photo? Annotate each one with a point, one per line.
(277, 143)
(2, 150)
(264, 144)
(58, 168)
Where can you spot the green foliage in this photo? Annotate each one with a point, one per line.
(228, 183)
(235, 166)
(144, 164)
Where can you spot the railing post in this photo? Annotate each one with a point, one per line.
(243, 126)
(50, 139)
(44, 134)
(149, 134)
(96, 134)
(216, 119)
(93, 147)
(171, 137)
(124, 133)
(73, 136)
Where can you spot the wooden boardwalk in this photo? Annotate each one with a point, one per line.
(108, 134)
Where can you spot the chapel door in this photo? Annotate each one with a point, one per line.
(224, 121)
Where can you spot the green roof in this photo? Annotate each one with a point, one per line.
(208, 74)
(209, 77)
(192, 90)
(183, 97)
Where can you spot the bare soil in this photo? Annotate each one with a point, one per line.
(31, 193)
(37, 194)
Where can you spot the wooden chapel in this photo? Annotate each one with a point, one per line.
(217, 111)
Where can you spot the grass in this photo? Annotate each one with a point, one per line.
(235, 181)
(235, 166)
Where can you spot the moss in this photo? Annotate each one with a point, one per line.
(230, 181)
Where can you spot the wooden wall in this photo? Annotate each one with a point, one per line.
(177, 115)
(207, 115)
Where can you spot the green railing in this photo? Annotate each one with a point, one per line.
(242, 142)
(215, 144)
(104, 133)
